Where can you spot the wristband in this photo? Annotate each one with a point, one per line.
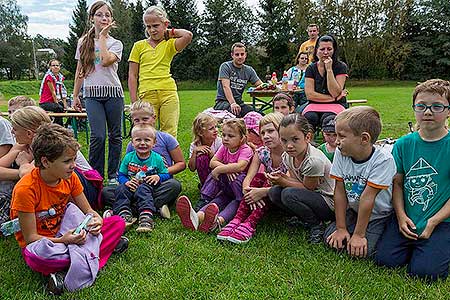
(173, 32)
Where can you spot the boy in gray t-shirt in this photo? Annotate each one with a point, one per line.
(363, 190)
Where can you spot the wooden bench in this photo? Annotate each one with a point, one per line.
(350, 102)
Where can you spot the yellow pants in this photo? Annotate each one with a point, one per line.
(167, 109)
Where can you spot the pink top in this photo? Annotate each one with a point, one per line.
(323, 107)
(46, 95)
(243, 153)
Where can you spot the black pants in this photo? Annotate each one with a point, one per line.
(53, 107)
(225, 105)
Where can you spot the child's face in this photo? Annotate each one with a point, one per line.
(294, 141)
(427, 120)
(231, 138)
(55, 67)
(102, 17)
(155, 27)
(142, 142)
(23, 136)
(210, 132)
(330, 138)
(270, 136)
(282, 106)
(63, 166)
(347, 142)
(143, 118)
(13, 108)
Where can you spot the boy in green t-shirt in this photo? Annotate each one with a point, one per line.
(329, 136)
(419, 234)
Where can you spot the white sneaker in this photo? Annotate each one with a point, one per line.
(107, 213)
(112, 182)
(187, 215)
(164, 212)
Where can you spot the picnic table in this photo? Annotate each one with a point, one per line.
(259, 95)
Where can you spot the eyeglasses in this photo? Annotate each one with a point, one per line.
(434, 108)
(55, 65)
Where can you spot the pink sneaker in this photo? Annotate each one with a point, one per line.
(225, 233)
(242, 234)
(210, 221)
(187, 215)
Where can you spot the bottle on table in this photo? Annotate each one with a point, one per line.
(296, 78)
(274, 79)
(268, 76)
(284, 82)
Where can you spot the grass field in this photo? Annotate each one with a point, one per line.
(278, 263)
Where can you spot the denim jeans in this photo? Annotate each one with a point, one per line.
(142, 198)
(103, 112)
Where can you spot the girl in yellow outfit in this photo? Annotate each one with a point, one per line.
(149, 77)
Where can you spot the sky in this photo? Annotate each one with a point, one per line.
(51, 18)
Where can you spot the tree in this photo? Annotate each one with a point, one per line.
(136, 23)
(15, 48)
(77, 29)
(122, 15)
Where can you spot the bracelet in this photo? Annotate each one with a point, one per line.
(173, 32)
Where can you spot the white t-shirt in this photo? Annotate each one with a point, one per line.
(378, 172)
(315, 164)
(214, 147)
(6, 137)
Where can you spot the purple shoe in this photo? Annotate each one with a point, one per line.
(242, 234)
(210, 221)
(225, 233)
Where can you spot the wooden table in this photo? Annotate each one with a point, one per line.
(258, 95)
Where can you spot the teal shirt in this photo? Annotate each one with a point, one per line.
(329, 155)
(131, 164)
(426, 170)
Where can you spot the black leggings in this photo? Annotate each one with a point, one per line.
(316, 118)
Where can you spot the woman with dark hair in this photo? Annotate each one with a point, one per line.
(325, 82)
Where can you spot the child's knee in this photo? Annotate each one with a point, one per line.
(426, 270)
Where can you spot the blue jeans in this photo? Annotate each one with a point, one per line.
(426, 258)
(142, 198)
(102, 112)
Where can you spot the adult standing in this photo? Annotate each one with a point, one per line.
(309, 45)
(98, 55)
(325, 82)
(150, 61)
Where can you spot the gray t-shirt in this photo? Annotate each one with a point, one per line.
(6, 137)
(103, 81)
(378, 172)
(238, 80)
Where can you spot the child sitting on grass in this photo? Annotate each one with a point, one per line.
(283, 103)
(363, 192)
(418, 235)
(255, 186)
(205, 145)
(140, 171)
(222, 191)
(49, 204)
(329, 136)
(251, 121)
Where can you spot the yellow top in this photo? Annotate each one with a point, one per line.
(154, 65)
(308, 47)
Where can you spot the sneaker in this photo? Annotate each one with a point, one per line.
(164, 212)
(55, 285)
(210, 221)
(316, 234)
(242, 234)
(128, 218)
(107, 213)
(200, 203)
(146, 223)
(112, 182)
(228, 230)
(187, 215)
(122, 245)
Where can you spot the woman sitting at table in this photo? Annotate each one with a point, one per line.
(301, 63)
(325, 82)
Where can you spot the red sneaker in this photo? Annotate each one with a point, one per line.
(210, 221)
(187, 215)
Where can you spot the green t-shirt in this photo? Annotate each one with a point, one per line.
(329, 155)
(131, 164)
(426, 170)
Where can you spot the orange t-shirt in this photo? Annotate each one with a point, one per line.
(32, 195)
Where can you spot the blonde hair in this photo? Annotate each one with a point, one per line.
(141, 106)
(200, 124)
(30, 118)
(237, 125)
(157, 11)
(150, 130)
(362, 119)
(433, 86)
(271, 118)
(21, 101)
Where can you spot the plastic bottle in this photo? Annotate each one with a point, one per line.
(13, 226)
(268, 76)
(274, 79)
(296, 77)
(284, 82)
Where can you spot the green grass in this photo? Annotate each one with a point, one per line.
(278, 263)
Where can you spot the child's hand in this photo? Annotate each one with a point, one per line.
(24, 157)
(70, 238)
(201, 150)
(257, 204)
(19, 147)
(232, 176)
(407, 227)
(132, 184)
(276, 178)
(337, 238)
(152, 179)
(95, 225)
(215, 173)
(105, 31)
(253, 195)
(357, 246)
(24, 169)
(428, 229)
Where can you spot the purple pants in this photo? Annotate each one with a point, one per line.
(227, 195)
(202, 165)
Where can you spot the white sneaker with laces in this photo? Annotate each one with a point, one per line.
(112, 181)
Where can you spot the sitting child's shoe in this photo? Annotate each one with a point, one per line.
(146, 223)
(242, 234)
(122, 245)
(128, 218)
(55, 286)
(210, 221)
(225, 233)
(112, 182)
(107, 213)
(200, 203)
(316, 234)
(164, 212)
(187, 215)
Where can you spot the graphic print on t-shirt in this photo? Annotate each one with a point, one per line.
(52, 222)
(235, 82)
(420, 184)
(354, 186)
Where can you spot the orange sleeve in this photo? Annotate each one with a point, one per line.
(380, 187)
(336, 178)
(23, 197)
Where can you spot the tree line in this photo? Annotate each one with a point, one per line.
(378, 39)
